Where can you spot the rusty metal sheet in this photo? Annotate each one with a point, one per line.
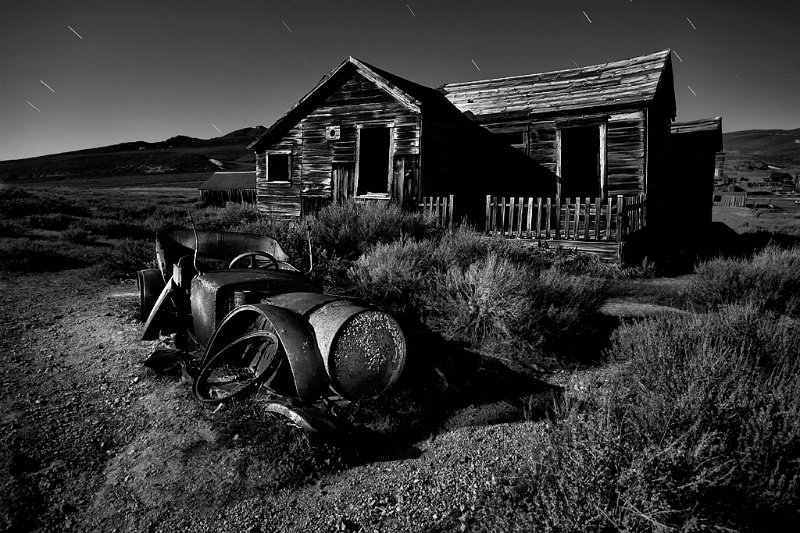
(157, 319)
(213, 294)
(301, 303)
(295, 335)
(238, 368)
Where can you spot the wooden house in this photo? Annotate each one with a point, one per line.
(223, 187)
(604, 130)
(694, 146)
(368, 134)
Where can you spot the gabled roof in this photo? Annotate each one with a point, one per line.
(711, 127)
(229, 181)
(615, 84)
(412, 95)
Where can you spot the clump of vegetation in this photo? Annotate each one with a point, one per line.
(351, 228)
(699, 426)
(770, 280)
(492, 295)
(126, 258)
(18, 203)
(24, 255)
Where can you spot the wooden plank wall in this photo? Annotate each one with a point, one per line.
(625, 146)
(625, 153)
(357, 102)
(223, 196)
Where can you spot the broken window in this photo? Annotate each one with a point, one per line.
(278, 166)
(373, 160)
(580, 162)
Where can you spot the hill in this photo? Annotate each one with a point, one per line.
(773, 147)
(176, 155)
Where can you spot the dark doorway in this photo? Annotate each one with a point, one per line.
(580, 162)
(373, 161)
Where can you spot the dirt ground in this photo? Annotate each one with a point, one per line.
(93, 441)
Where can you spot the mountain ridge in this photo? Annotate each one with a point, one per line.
(178, 154)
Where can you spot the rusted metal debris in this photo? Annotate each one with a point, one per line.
(266, 327)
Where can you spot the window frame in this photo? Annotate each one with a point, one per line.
(603, 149)
(288, 163)
(390, 181)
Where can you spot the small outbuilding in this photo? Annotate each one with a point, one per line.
(223, 187)
(695, 146)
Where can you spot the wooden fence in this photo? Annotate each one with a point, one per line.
(577, 219)
(726, 199)
(441, 207)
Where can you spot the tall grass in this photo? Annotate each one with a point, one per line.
(770, 280)
(699, 428)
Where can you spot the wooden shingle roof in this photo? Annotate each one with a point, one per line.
(615, 84)
(230, 181)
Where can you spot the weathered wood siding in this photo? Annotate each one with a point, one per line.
(542, 143)
(625, 145)
(280, 199)
(625, 153)
(317, 162)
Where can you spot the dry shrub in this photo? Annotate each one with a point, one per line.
(127, 257)
(24, 255)
(351, 228)
(699, 428)
(491, 295)
(770, 280)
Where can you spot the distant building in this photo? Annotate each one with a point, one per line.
(223, 187)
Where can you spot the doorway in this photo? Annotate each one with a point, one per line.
(374, 152)
(580, 162)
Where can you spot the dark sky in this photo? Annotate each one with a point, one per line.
(151, 69)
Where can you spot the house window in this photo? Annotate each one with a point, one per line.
(374, 160)
(582, 161)
(279, 166)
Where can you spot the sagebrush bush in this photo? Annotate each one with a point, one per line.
(18, 203)
(492, 295)
(698, 428)
(24, 255)
(770, 280)
(350, 228)
(127, 257)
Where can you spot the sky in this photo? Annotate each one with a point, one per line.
(82, 74)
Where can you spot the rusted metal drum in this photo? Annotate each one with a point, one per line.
(364, 350)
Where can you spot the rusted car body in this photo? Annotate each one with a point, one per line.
(264, 325)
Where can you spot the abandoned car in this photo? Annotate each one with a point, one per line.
(264, 325)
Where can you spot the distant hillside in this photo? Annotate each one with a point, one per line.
(774, 147)
(176, 155)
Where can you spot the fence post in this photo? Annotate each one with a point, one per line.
(558, 217)
(538, 216)
(620, 217)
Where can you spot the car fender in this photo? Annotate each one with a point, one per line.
(293, 331)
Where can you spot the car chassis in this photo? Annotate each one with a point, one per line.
(264, 326)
